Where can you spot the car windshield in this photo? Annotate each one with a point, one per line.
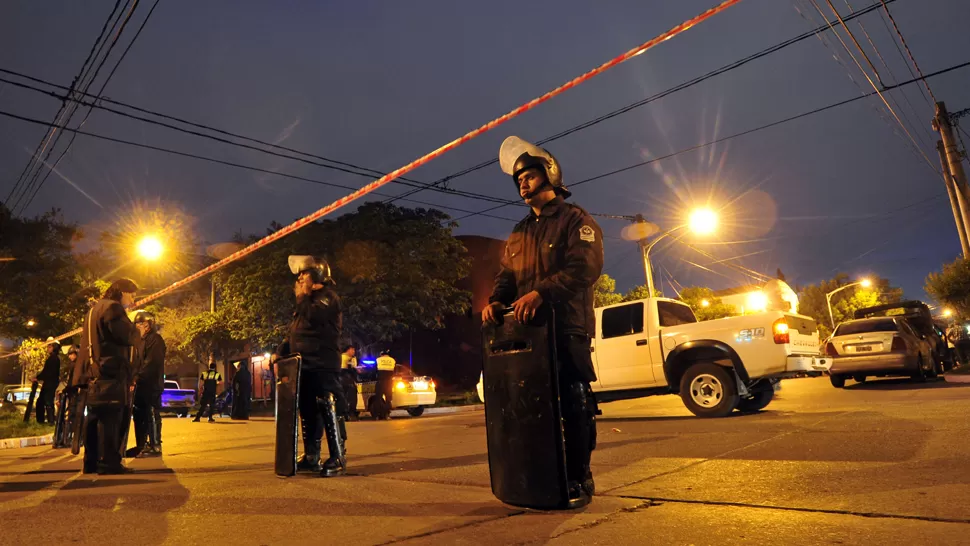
(866, 326)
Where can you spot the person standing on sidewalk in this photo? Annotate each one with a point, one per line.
(209, 380)
(106, 346)
(149, 384)
(385, 382)
(958, 336)
(50, 376)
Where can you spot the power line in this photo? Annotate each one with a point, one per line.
(339, 166)
(77, 80)
(213, 160)
(662, 94)
(100, 91)
(905, 45)
(872, 83)
(754, 130)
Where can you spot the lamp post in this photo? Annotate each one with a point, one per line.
(700, 221)
(865, 283)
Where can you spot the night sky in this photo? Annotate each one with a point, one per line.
(381, 83)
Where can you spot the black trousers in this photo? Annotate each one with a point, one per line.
(348, 378)
(102, 442)
(45, 402)
(145, 415)
(314, 384)
(208, 402)
(385, 387)
(577, 404)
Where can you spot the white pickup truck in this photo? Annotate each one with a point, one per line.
(656, 346)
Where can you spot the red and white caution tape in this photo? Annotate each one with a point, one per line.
(242, 253)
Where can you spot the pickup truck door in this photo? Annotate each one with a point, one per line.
(623, 348)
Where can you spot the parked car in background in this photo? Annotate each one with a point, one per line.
(917, 314)
(879, 347)
(176, 399)
(409, 392)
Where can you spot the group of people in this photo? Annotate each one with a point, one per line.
(552, 259)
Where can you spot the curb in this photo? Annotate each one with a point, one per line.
(957, 378)
(11, 443)
(454, 409)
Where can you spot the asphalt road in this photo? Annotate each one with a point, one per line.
(881, 463)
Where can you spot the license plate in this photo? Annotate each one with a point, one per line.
(863, 348)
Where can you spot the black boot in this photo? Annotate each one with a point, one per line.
(336, 465)
(310, 461)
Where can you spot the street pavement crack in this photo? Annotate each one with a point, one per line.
(878, 515)
(453, 528)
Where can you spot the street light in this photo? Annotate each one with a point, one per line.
(150, 248)
(700, 221)
(31, 323)
(865, 283)
(705, 303)
(948, 313)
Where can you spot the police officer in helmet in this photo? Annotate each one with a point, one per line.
(553, 258)
(314, 334)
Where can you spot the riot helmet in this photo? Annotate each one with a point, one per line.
(516, 156)
(144, 316)
(318, 268)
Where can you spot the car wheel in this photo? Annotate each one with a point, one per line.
(920, 375)
(183, 414)
(708, 390)
(859, 378)
(416, 412)
(756, 402)
(838, 381)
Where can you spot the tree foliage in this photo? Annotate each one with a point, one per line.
(695, 296)
(812, 302)
(395, 269)
(42, 280)
(32, 358)
(604, 291)
(951, 286)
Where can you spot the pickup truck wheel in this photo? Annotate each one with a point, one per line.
(708, 390)
(416, 412)
(838, 381)
(757, 402)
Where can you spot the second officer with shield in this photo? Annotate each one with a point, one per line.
(314, 333)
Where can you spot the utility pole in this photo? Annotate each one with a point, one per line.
(957, 202)
(954, 160)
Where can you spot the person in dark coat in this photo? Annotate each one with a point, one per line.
(242, 392)
(50, 376)
(149, 383)
(314, 333)
(106, 373)
(552, 259)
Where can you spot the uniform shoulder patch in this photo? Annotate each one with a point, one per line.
(587, 233)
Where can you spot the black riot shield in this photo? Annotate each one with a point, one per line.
(526, 452)
(30, 401)
(287, 411)
(126, 421)
(79, 420)
(62, 429)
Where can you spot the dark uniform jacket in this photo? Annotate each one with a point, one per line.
(114, 335)
(315, 331)
(151, 374)
(559, 254)
(52, 369)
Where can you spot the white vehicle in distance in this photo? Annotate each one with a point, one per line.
(409, 392)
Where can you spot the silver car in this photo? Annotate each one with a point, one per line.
(883, 346)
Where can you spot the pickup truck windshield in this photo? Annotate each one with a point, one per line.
(864, 326)
(673, 314)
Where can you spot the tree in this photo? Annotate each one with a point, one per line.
(951, 286)
(812, 302)
(32, 358)
(43, 281)
(604, 292)
(395, 270)
(640, 292)
(695, 296)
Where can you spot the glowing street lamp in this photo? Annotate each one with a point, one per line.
(700, 221)
(865, 283)
(705, 303)
(150, 248)
(31, 323)
(948, 313)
